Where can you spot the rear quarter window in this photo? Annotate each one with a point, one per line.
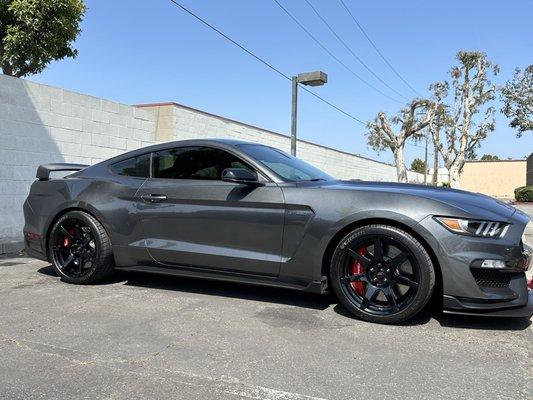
(136, 166)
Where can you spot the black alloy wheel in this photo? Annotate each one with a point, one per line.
(74, 249)
(80, 249)
(382, 274)
(386, 267)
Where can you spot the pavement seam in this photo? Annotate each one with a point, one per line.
(222, 384)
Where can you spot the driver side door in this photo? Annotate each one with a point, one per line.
(193, 219)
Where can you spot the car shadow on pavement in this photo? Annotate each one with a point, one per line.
(483, 323)
(230, 289)
(420, 319)
(216, 288)
(295, 298)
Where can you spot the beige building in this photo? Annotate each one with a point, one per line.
(494, 178)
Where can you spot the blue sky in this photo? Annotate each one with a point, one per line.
(150, 51)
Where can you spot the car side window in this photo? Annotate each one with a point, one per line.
(136, 166)
(203, 163)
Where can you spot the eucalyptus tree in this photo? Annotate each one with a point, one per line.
(463, 110)
(437, 123)
(394, 132)
(517, 96)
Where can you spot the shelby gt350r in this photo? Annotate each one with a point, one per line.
(244, 212)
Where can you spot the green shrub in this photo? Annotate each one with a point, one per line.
(524, 193)
(445, 184)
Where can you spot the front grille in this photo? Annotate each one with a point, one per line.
(491, 278)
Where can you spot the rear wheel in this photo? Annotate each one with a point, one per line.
(382, 274)
(80, 249)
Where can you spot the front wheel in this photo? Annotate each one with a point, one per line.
(382, 274)
(80, 249)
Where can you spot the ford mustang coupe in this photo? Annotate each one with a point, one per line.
(244, 212)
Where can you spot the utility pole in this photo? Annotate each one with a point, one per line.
(294, 113)
(426, 161)
(316, 78)
(435, 166)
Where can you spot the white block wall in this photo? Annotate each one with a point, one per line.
(177, 122)
(42, 124)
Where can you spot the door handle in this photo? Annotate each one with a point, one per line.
(153, 198)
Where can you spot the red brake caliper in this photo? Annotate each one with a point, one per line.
(356, 268)
(66, 241)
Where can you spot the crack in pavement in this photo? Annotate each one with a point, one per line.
(222, 384)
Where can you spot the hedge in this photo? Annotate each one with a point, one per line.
(524, 193)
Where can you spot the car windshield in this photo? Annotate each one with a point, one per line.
(286, 166)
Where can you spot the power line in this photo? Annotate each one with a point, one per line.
(321, 45)
(350, 50)
(262, 61)
(331, 104)
(376, 48)
(270, 66)
(231, 40)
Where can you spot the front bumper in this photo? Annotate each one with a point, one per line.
(515, 300)
(470, 289)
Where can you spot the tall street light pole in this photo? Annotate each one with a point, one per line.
(315, 78)
(426, 161)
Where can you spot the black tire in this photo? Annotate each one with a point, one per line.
(406, 286)
(101, 263)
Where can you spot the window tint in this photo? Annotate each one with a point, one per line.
(136, 166)
(285, 165)
(194, 163)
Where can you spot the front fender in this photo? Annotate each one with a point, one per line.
(367, 216)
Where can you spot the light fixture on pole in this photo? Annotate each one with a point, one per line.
(315, 78)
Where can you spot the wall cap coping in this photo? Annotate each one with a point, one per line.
(178, 105)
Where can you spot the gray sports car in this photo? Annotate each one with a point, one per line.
(244, 212)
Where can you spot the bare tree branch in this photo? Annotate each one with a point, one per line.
(517, 96)
(472, 91)
(381, 134)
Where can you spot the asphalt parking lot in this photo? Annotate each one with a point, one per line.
(143, 336)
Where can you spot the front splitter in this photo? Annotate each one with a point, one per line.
(514, 312)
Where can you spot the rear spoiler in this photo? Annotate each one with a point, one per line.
(43, 172)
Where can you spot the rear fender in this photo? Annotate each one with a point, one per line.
(72, 206)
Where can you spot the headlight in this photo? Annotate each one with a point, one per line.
(472, 227)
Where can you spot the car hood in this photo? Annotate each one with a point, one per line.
(471, 203)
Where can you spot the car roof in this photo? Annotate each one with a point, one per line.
(228, 144)
(195, 142)
(205, 142)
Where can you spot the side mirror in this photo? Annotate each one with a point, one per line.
(239, 175)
